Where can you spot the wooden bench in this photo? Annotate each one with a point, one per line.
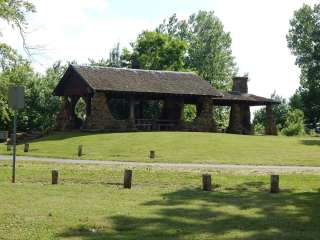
(144, 124)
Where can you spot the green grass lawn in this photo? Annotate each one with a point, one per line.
(180, 147)
(91, 204)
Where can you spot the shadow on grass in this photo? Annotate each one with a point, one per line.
(62, 136)
(310, 142)
(235, 214)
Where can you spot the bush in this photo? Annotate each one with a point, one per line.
(294, 124)
(259, 129)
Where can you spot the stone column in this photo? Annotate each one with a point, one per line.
(131, 120)
(235, 119)
(245, 119)
(172, 109)
(74, 101)
(204, 120)
(270, 124)
(100, 117)
(64, 115)
(87, 100)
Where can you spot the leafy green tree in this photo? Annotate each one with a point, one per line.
(40, 106)
(208, 53)
(295, 101)
(157, 51)
(304, 41)
(294, 124)
(209, 46)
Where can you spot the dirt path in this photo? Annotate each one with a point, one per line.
(176, 166)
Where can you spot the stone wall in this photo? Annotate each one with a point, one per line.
(100, 117)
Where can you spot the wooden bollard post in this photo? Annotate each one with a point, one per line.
(152, 154)
(55, 176)
(8, 147)
(26, 147)
(206, 182)
(274, 184)
(127, 178)
(80, 147)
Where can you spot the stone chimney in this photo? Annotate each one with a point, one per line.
(240, 85)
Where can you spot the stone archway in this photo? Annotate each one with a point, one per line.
(68, 118)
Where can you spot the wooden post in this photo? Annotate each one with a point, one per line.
(152, 154)
(8, 147)
(26, 147)
(274, 184)
(127, 178)
(206, 182)
(55, 176)
(80, 147)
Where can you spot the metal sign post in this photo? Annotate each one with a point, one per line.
(16, 101)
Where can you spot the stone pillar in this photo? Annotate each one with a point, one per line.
(271, 128)
(172, 109)
(100, 117)
(74, 101)
(204, 120)
(245, 119)
(131, 109)
(235, 119)
(87, 100)
(64, 115)
(131, 120)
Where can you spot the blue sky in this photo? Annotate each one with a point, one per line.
(81, 29)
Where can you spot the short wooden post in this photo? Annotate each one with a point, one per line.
(55, 176)
(206, 182)
(26, 147)
(8, 147)
(274, 184)
(127, 178)
(80, 147)
(152, 154)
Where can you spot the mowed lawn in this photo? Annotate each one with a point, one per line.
(90, 203)
(180, 147)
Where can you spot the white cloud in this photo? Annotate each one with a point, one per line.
(74, 30)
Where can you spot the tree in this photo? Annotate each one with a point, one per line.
(14, 13)
(304, 42)
(157, 51)
(294, 124)
(279, 111)
(209, 46)
(40, 106)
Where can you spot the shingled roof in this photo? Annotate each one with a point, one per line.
(139, 81)
(236, 97)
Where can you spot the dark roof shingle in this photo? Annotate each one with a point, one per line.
(145, 81)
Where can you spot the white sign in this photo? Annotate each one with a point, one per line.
(16, 97)
(3, 135)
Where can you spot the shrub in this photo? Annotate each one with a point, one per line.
(294, 124)
(259, 129)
